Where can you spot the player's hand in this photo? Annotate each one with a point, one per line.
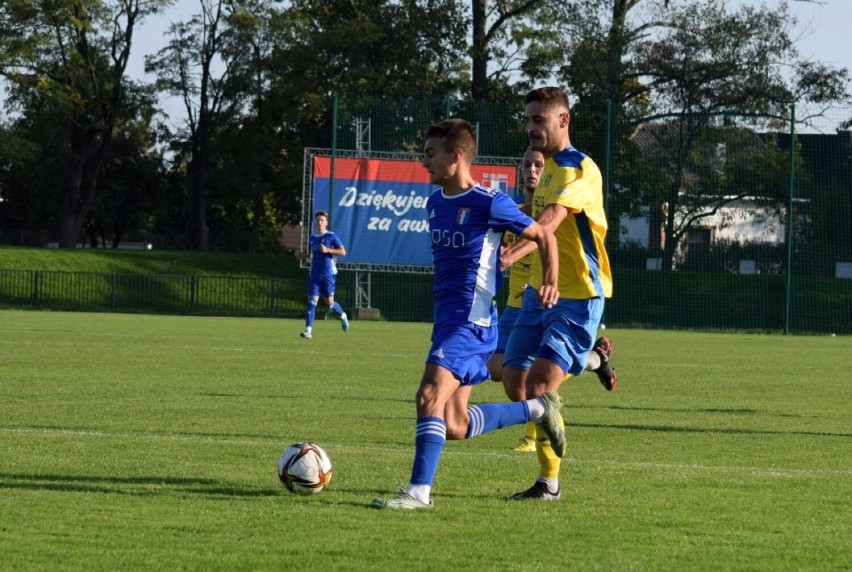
(324, 249)
(506, 259)
(548, 295)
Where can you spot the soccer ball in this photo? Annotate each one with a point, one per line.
(304, 468)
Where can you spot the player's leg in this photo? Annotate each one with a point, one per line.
(465, 352)
(495, 366)
(328, 286)
(527, 322)
(543, 376)
(311, 311)
(569, 330)
(436, 387)
(599, 361)
(504, 329)
(514, 384)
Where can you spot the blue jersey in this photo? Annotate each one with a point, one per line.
(466, 231)
(322, 264)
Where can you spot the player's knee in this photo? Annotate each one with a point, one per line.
(312, 302)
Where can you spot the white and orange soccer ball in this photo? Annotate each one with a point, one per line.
(304, 468)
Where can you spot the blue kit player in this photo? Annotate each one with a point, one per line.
(324, 246)
(466, 226)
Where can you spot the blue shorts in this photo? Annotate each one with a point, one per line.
(563, 334)
(464, 350)
(321, 285)
(504, 327)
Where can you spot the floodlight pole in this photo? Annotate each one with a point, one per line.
(792, 190)
(333, 155)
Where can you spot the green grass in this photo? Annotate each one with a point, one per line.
(150, 442)
(151, 262)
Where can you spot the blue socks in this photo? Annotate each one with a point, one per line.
(431, 434)
(311, 313)
(429, 439)
(486, 417)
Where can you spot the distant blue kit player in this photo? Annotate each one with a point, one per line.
(324, 246)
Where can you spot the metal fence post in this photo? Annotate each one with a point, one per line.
(113, 293)
(36, 275)
(792, 189)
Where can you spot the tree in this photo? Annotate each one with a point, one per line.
(72, 56)
(701, 64)
(708, 62)
(191, 68)
(489, 39)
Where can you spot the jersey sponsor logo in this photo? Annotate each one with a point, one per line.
(447, 238)
(463, 215)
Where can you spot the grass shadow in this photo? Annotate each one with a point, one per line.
(721, 431)
(134, 486)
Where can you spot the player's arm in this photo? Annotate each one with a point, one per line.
(545, 241)
(550, 218)
(337, 248)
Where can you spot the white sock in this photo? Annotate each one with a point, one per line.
(420, 492)
(308, 329)
(593, 361)
(537, 407)
(552, 484)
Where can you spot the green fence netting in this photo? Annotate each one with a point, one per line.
(717, 221)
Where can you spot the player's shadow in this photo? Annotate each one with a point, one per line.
(718, 430)
(708, 410)
(134, 486)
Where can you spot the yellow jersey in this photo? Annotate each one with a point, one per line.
(519, 274)
(571, 179)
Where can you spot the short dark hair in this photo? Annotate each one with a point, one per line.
(456, 133)
(320, 213)
(549, 96)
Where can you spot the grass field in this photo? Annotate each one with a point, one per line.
(150, 442)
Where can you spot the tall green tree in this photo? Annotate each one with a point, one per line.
(697, 61)
(191, 67)
(709, 61)
(361, 50)
(72, 55)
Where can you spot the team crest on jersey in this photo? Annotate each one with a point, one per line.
(463, 215)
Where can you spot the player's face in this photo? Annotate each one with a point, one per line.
(322, 224)
(531, 169)
(544, 126)
(440, 163)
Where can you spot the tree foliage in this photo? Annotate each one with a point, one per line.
(67, 59)
(257, 82)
